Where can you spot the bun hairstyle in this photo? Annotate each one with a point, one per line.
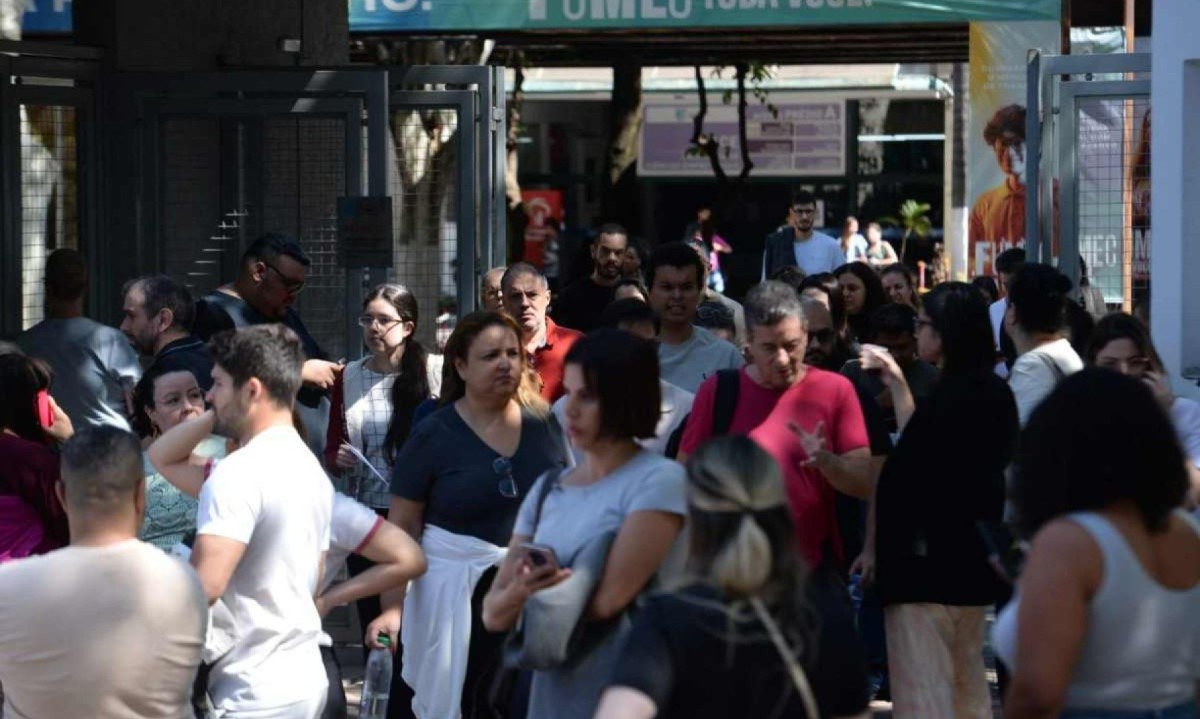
(742, 536)
(734, 489)
(1039, 295)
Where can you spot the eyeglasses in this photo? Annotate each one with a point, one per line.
(507, 486)
(291, 285)
(804, 210)
(918, 323)
(366, 321)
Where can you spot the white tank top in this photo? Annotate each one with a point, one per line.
(1142, 648)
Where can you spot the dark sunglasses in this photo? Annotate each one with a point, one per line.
(823, 336)
(507, 485)
(291, 285)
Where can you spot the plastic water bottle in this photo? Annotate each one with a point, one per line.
(377, 682)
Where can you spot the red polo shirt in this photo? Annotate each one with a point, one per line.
(548, 359)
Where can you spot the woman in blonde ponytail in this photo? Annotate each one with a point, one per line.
(746, 635)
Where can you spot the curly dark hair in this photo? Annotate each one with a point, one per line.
(1064, 465)
(1008, 119)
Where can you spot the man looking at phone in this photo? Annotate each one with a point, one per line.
(94, 366)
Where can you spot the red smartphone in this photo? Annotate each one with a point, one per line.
(44, 412)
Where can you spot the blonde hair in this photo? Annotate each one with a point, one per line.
(738, 504)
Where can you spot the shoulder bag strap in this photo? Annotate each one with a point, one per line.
(543, 492)
(799, 678)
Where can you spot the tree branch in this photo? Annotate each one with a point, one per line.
(743, 138)
(706, 144)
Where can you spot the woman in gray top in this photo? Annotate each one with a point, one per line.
(612, 388)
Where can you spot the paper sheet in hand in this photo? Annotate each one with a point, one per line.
(363, 458)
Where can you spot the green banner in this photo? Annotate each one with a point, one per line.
(485, 15)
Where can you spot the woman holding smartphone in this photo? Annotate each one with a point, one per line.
(32, 520)
(613, 399)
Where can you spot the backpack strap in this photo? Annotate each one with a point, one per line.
(725, 404)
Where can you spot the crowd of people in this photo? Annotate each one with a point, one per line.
(632, 498)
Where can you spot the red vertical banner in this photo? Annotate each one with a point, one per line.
(544, 209)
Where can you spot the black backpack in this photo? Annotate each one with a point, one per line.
(724, 405)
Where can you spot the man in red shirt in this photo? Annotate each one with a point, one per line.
(809, 419)
(777, 340)
(526, 296)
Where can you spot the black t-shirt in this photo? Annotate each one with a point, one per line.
(944, 476)
(580, 304)
(852, 512)
(219, 311)
(693, 661)
(445, 465)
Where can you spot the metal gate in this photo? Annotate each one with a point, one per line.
(48, 158)
(448, 186)
(227, 156)
(1089, 167)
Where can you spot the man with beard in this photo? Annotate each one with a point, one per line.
(526, 295)
(580, 304)
(158, 316)
(262, 529)
(796, 243)
(687, 354)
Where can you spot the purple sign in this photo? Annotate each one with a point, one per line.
(805, 137)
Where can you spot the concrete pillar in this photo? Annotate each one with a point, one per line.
(1175, 186)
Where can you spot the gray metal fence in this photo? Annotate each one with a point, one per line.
(1088, 164)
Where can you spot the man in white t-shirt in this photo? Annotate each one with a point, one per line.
(108, 626)
(687, 355)
(262, 530)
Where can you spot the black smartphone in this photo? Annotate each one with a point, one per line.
(540, 556)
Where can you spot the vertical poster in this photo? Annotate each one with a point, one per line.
(995, 140)
(544, 208)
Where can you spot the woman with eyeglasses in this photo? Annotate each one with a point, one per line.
(746, 635)
(924, 547)
(1122, 343)
(162, 400)
(621, 493)
(372, 407)
(457, 485)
